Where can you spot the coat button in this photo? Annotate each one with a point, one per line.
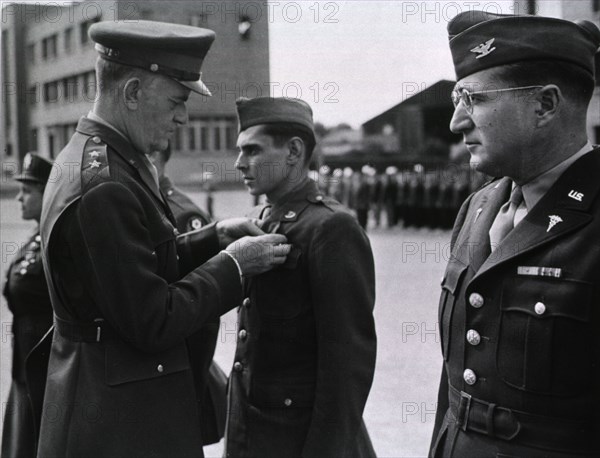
(473, 337)
(160, 368)
(243, 334)
(246, 302)
(469, 377)
(476, 300)
(540, 308)
(287, 402)
(238, 367)
(319, 198)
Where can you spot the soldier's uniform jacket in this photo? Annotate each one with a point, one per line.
(519, 327)
(27, 298)
(188, 216)
(119, 380)
(306, 343)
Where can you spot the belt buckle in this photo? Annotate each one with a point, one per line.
(463, 409)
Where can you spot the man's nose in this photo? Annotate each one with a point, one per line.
(461, 120)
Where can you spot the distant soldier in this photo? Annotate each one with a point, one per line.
(390, 191)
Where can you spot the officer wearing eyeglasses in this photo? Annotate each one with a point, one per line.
(519, 309)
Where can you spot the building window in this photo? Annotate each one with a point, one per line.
(231, 137)
(203, 138)
(68, 39)
(84, 27)
(51, 92)
(9, 150)
(32, 95)
(217, 137)
(49, 50)
(596, 5)
(33, 140)
(89, 86)
(177, 139)
(31, 53)
(191, 138)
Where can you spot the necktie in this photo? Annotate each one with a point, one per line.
(505, 219)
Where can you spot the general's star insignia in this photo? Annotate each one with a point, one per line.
(484, 48)
(554, 220)
(94, 154)
(95, 164)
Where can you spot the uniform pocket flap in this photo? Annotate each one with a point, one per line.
(547, 297)
(283, 395)
(453, 274)
(125, 363)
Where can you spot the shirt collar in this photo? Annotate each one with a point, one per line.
(535, 189)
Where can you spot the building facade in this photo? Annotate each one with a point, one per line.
(48, 77)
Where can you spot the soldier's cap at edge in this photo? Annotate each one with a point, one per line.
(481, 40)
(274, 110)
(173, 50)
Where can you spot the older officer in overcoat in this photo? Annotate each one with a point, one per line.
(519, 313)
(127, 292)
(306, 343)
(27, 297)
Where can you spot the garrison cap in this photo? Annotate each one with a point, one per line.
(274, 110)
(174, 50)
(481, 40)
(36, 169)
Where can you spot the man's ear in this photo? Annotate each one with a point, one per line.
(131, 93)
(548, 100)
(296, 150)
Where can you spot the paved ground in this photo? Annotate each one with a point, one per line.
(409, 265)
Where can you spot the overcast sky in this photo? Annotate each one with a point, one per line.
(353, 60)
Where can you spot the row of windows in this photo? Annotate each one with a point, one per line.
(49, 46)
(74, 88)
(212, 135)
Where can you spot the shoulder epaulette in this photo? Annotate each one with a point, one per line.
(94, 163)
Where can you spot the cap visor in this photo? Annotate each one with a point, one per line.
(196, 86)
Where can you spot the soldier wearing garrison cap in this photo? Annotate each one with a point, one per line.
(518, 313)
(27, 297)
(130, 294)
(306, 345)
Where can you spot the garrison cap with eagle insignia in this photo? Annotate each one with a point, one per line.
(481, 40)
(173, 50)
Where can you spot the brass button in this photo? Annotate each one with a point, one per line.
(96, 140)
(476, 300)
(246, 302)
(243, 334)
(473, 337)
(238, 367)
(287, 402)
(160, 368)
(540, 308)
(469, 377)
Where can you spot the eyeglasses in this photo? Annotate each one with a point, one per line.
(466, 97)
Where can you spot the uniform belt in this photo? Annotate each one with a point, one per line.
(96, 331)
(523, 428)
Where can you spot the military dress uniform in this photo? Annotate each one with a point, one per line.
(519, 320)
(306, 344)
(125, 289)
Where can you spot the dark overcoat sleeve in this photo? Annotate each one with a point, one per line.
(343, 289)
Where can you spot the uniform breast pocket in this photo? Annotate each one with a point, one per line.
(450, 288)
(545, 336)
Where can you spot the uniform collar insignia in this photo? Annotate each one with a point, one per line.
(554, 220)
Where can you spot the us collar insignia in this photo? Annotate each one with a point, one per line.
(484, 49)
(554, 220)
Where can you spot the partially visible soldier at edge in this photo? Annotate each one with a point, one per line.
(127, 292)
(27, 297)
(519, 315)
(305, 354)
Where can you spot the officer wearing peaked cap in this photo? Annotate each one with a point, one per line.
(27, 297)
(519, 306)
(129, 295)
(306, 346)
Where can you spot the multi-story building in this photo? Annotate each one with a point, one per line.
(572, 10)
(48, 79)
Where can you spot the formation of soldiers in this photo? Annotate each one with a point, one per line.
(412, 196)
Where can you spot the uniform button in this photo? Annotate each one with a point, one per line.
(540, 308)
(319, 198)
(469, 377)
(473, 337)
(287, 402)
(246, 302)
(170, 192)
(96, 140)
(160, 368)
(238, 367)
(476, 300)
(154, 253)
(243, 334)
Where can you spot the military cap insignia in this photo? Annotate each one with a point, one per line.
(196, 223)
(554, 220)
(484, 49)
